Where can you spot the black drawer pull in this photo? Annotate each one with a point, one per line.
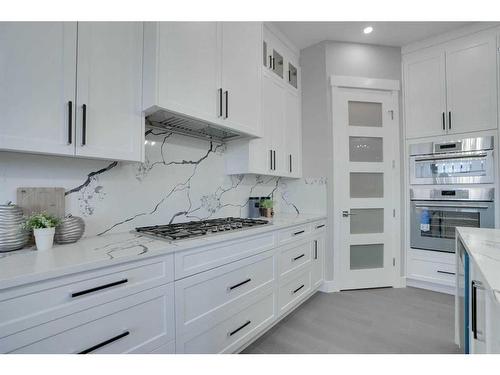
(104, 343)
(239, 329)
(91, 290)
(299, 288)
(320, 226)
(299, 232)
(297, 258)
(239, 284)
(446, 272)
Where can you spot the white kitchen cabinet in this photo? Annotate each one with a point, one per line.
(318, 261)
(182, 68)
(425, 93)
(208, 71)
(94, 111)
(478, 323)
(471, 83)
(109, 117)
(241, 75)
(451, 88)
(293, 135)
(37, 86)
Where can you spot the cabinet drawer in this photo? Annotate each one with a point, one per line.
(293, 233)
(27, 306)
(431, 271)
(205, 294)
(294, 256)
(232, 333)
(205, 258)
(292, 291)
(318, 226)
(135, 324)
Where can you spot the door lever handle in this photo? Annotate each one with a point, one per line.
(347, 214)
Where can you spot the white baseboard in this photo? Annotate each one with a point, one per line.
(329, 286)
(431, 286)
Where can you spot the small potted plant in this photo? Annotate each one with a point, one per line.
(266, 208)
(43, 226)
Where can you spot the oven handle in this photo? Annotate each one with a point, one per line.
(450, 206)
(456, 156)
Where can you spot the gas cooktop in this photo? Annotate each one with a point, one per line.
(199, 228)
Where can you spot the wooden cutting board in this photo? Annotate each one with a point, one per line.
(34, 200)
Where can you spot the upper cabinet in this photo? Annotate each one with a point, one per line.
(48, 107)
(451, 88)
(208, 71)
(109, 121)
(37, 86)
(279, 151)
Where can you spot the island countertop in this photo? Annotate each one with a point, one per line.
(483, 245)
(28, 265)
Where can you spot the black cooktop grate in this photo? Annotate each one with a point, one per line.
(199, 228)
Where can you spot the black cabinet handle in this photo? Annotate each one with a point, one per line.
(84, 124)
(298, 257)
(446, 272)
(273, 64)
(289, 77)
(449, 120)
(299, 232)
(238, 285)
(299, 288)
(290, 163)
(105, 286)
(239, 329)
(315, 249)
(474, 308)
(104, 343)
(220, 102)
(320, 226)
(270, 62)
(70, 122)
(226, 93)
(271, 159)
(274, 159)
(444, 122)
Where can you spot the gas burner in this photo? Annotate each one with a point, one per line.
(192, 229)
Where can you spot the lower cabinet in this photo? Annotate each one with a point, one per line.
(213, 304)
(139, 323)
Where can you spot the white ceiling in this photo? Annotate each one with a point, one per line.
(397, 34)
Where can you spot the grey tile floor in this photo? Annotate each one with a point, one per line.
(405, 320)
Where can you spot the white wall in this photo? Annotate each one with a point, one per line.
(318, 62)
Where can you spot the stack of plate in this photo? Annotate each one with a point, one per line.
(70, 230)
(12, 235)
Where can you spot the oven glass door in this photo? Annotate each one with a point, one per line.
(471, 168)
(433, 223)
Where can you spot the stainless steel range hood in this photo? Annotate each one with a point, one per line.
(181, 124)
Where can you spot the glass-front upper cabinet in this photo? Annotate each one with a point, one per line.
(280, 60)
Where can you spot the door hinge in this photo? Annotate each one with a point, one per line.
(498, 49)
(394, 262)
(393, 212)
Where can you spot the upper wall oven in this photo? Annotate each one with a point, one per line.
(466, 161)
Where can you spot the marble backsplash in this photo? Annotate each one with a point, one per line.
(181, 179)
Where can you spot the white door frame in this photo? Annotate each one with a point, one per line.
(365, 83)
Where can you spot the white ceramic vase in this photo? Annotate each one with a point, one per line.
(44, 238)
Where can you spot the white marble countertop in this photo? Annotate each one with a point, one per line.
(483, 245)
(28, 265)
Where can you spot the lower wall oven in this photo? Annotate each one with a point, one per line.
(436, 212)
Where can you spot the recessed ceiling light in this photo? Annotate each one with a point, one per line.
(368, 30)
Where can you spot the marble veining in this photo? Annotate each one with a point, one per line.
(181, 179)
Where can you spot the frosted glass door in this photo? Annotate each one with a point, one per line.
(366, 130)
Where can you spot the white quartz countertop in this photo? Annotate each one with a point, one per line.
(483, 245)
(28, 265)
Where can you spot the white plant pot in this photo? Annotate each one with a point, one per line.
(44, 238)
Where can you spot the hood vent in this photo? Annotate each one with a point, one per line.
(179, 124)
